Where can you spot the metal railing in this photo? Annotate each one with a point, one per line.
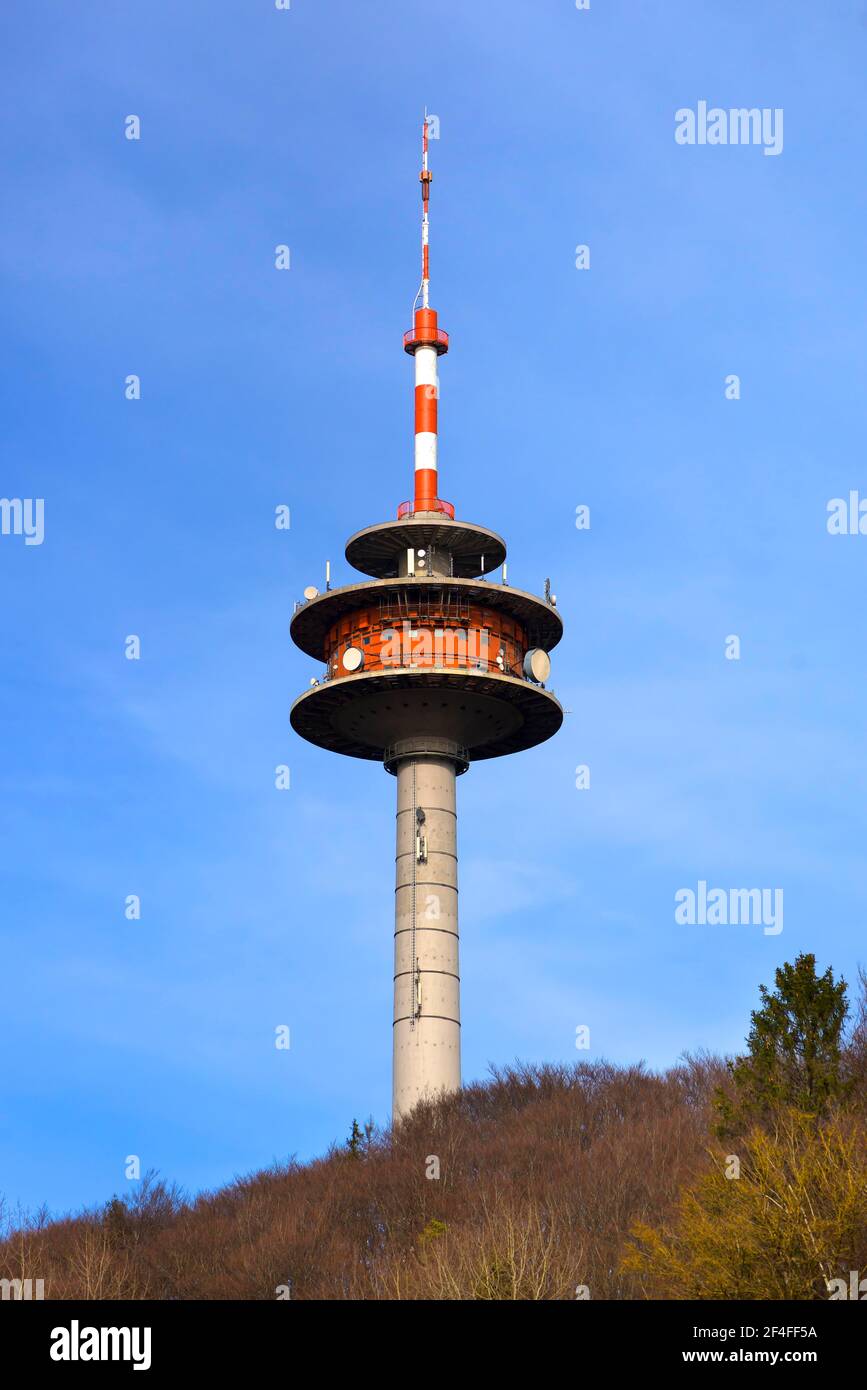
(432, 747)
(466, 665)
(436, 505)
(426, 337)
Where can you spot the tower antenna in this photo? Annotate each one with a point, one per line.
(425, 178)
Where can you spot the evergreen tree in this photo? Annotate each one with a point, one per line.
(355, 1140)
(794, 1048)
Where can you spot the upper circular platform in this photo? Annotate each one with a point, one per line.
(475, 550)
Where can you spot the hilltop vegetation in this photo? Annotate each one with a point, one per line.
(745, 1179)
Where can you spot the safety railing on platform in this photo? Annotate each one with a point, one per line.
(410, 508)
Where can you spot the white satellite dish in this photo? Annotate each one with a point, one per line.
(352, 659)
(537, 665)
(311, 592)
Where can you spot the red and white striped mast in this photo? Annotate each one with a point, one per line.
(426, 342)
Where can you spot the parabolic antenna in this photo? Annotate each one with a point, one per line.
(352, 659)
(537, 665)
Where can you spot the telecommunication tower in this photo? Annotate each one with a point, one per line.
(428, 667)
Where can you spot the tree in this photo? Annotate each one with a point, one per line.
(355, 1140)
(792, 1219)
(794, 1049)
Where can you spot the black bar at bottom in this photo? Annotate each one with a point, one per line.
(176, 1337)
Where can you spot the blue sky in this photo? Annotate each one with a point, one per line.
(563, 387)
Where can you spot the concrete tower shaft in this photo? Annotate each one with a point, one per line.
(427, 1022)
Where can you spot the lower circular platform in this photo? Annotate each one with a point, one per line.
(488, 715)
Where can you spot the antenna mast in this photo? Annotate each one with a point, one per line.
(425, 178)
